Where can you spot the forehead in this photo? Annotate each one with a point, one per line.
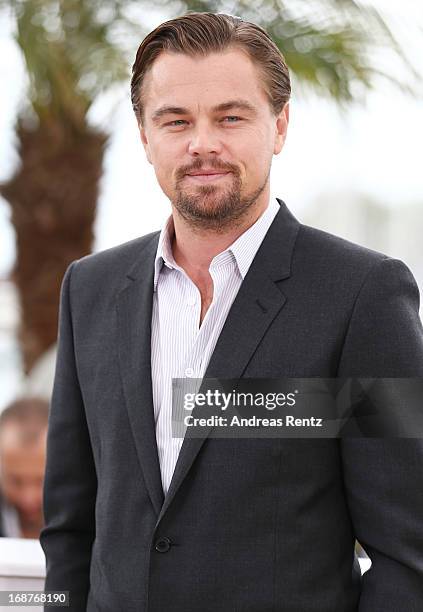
(12, 442)
(179, 79)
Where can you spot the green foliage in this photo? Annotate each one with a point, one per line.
(332, 46)
(76, 49)
(69, 52)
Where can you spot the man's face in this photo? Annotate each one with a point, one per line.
(210, 134)
(22, 473)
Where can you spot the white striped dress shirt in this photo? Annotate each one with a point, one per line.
(179, 346)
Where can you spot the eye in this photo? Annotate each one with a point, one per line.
(232, 119)
(176, 122)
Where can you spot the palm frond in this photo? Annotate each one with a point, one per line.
(332, 46)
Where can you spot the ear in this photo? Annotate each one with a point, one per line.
(144, 141)
(281, 126)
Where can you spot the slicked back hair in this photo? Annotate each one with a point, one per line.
(199, 34)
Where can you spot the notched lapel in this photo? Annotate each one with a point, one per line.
(258, 302)
(134, 307)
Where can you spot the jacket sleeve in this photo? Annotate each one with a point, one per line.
(383, 477)
(70, 482)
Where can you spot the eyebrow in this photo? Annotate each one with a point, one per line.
(225, 106)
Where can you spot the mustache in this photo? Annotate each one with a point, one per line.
(198, 164)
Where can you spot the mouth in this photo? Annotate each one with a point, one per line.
(206, 176)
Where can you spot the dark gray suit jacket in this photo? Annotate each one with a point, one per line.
(248, 525)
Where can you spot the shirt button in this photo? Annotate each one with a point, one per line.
(189, 372)
(191, 302)
(162, 545)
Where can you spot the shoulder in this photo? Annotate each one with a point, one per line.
(323, 255)
(333, 272)
(333, 251)
(317, 255)
(111, 265)
(376, 297)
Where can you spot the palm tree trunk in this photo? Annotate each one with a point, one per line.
(53, 199)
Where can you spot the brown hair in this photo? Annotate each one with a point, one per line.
(30, 414)
(204, 33)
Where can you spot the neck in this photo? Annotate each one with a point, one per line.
(195, 248)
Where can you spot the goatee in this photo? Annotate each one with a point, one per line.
(212, 207)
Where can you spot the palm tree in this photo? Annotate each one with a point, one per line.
(76, 49)
(53, 194)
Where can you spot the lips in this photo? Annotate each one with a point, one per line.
(207, 173)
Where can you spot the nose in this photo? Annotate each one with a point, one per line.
(204, 141)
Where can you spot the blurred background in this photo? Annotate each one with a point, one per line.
(74, 179)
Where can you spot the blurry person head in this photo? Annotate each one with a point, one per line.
(23, 431)
(210, 93)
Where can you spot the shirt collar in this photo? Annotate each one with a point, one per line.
(243, 249)
(246, 246)
(164, 255)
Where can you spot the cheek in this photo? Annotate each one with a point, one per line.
(164, 157)
(256, 149)
(162, 164)
(164, 169)
(167, 145)
(257, 164)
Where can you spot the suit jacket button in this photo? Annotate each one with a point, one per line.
(163, 545)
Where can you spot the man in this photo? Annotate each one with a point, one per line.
(23, 432)
(233, 287)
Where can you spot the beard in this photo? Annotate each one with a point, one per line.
(214, 207)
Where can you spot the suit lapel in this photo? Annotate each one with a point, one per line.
(257, 303)
(134, 327)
